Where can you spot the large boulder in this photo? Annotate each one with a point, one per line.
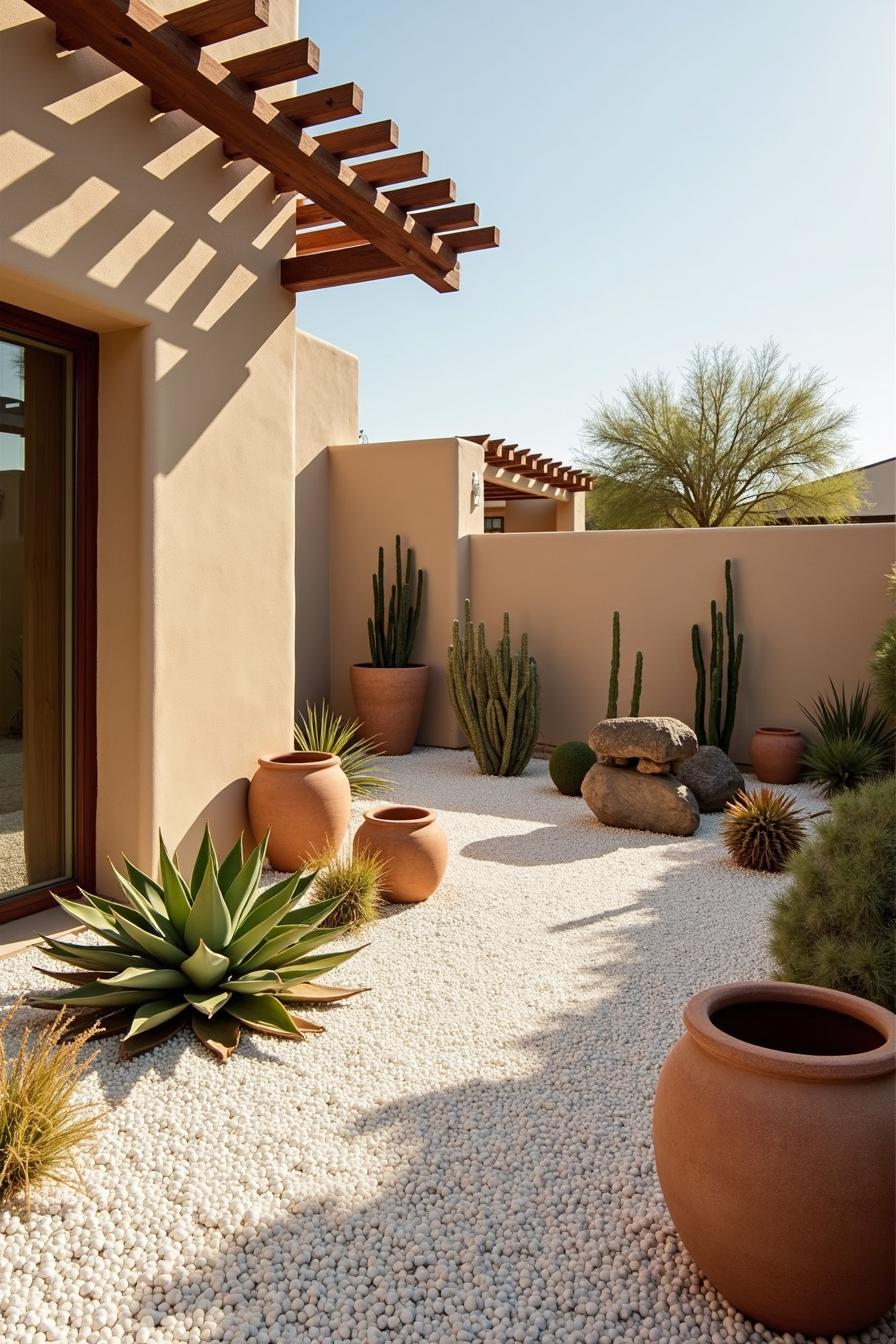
(639, 802)
(711, 776)
(658, 739)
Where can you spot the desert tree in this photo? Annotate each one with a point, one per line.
(746, 438)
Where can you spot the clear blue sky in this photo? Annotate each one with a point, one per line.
(665, 172)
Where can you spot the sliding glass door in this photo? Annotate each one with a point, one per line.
(46, 584)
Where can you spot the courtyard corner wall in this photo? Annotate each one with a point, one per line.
(422, 491)
(133, 225)
(810, 600)
(326, 412)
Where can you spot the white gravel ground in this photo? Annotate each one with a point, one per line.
(465, 1155)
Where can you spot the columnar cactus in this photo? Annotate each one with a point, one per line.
(392, 635)
(613, 688)
(724, 668)
(495, 697)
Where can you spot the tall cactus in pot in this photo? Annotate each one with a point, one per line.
(392, 636)
(495, 696)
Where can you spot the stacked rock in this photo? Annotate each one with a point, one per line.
(711, 776)
(633, 785)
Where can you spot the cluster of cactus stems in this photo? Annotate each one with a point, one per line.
(613, 691)
(495, 696)
(724, 673)
(392, 633)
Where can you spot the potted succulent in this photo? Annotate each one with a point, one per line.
(389, 691)
(774, 1139)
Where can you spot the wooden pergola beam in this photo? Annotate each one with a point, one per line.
(373, 138)
(314, 109)
(139, 40)
(442, 191)
(326, 270)
(277, 65)
(400, 168)
(217, 20)
(334, 238)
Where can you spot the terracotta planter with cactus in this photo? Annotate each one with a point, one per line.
(390, 691)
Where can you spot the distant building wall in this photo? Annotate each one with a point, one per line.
(880, 502)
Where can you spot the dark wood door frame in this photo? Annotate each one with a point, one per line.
(84, 346)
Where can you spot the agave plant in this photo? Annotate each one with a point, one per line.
(320, 729)
(216, 951)
(834, 717)
(762, 828)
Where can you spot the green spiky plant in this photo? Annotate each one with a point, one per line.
(613, 688)
(495, 696)
(835, 925)
(854, 743)
(883, 665)
(392, 632)
(320, 729)
(217, 952)
(761, 828)
(714, 728)
(353, 880)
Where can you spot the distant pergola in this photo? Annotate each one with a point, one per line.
(347, 229)
(518, 474)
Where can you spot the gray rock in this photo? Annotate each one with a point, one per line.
(654, 767)
(639, 802)
(657, 739)
(712, 777)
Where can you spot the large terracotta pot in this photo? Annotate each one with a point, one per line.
(304, 799)
(774, 1131)
(389, 702)
(413, 845)
(775, 755)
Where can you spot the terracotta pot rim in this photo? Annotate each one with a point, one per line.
(781, 732)
(412, 815)
(374, 667)
(699, 1010)
(303, 761)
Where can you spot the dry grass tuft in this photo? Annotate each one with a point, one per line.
(357, 879)
(41, 1124)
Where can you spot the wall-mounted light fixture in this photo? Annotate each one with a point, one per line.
(475, 491)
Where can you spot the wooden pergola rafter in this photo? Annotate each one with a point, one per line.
(530, 466)
(359, 231)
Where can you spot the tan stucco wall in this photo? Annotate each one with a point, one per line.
(326, 412)
(530, 515)
(135, 226)
(422, 491)
(810, 601)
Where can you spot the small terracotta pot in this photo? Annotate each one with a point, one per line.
(413, 845)
(775, 755)
(389, 702)
(304, 799)
(774, 1129)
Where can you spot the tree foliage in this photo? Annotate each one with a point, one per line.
(745, 438)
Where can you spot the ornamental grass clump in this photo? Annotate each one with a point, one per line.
(854, 743)
(217, 952)
(353, 882)
(761, 828)
(835, 926)
(41, 1123)
(320, 729)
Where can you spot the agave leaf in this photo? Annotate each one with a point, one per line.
(263, 1013)
(205, 967)
(267, 916)
(306, 993)
(219, 1034)
(311, 915)
(165, 950)
(155, 977)
(153, 1014)
(231, 864)
(88, 956)
(88, 915)
(278, 945)
(208, 1001)
(150, 891)
(303, 1024)
(71, 977)
(255, 982)
(205, 857)
(311, 967)
(307, 943)
(97, 995)
(100, 1023)
(159, 924)
(177, 893)
(131, 1046)
(139, 901)
(241, 895)
(209, 919)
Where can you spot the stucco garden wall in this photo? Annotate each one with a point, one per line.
(134, 225)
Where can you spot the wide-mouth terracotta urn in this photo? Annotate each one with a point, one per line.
(412, 845)
(304, 799)
(389, 702)
(774, 1133)
(775, 755)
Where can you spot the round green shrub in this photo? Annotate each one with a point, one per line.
(569, 764)
(835, 926)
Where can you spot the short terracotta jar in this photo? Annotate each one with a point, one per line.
(389, 702)
(413, 846)
(774, 1131)
(775, 755)
(304, 799)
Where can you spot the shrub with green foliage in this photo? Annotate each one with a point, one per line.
(352, 881)
(569, 764)
(217, 951)
(854, 742)
(835, 926)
